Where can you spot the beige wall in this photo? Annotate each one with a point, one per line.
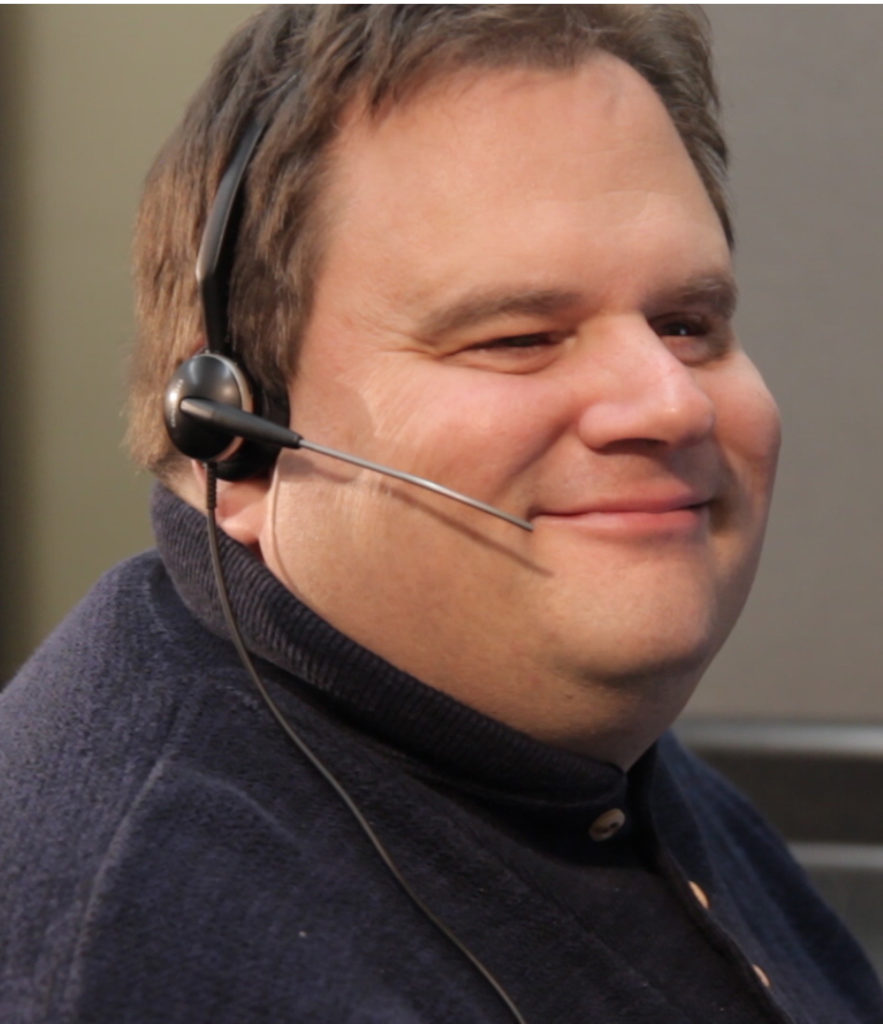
(92, 93)
(87, 95)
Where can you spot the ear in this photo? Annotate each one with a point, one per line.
(242, 506)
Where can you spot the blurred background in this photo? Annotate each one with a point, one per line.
(88, 93)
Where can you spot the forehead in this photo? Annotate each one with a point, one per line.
(507, 172)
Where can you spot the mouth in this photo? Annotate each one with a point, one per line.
(675, 515)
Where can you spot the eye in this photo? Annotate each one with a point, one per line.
(519, 341)
(681, 327)
(695, 338)
(513, 353)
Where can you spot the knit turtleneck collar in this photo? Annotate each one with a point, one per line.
(437, 734)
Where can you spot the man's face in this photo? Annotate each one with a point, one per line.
(525, 294)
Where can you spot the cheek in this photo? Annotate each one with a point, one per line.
(748, 428)
(466, 424)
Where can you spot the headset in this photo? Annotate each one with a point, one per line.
(214, 414)
(215, 375)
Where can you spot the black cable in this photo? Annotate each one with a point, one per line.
(316, 762)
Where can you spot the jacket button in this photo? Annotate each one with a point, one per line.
(607, 824)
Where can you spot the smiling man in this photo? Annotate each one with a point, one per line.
(485, 246)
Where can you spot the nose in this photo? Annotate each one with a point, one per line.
(639, 391)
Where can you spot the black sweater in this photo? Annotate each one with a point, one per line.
(167, 855)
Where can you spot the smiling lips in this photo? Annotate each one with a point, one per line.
(675, 513)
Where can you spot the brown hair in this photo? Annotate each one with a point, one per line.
(299, 67)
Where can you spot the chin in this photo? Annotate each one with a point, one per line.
(648, 640)
(651, 668)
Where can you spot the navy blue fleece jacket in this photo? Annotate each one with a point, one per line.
(166, 855)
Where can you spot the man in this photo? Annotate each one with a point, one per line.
(487, 246)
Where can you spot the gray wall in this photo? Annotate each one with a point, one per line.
(803, 90)
(87, 94)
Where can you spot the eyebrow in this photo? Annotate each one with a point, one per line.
(475, 308)
(717, 291)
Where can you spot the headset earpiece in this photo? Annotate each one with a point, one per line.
(218, 379)
(213, 377)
